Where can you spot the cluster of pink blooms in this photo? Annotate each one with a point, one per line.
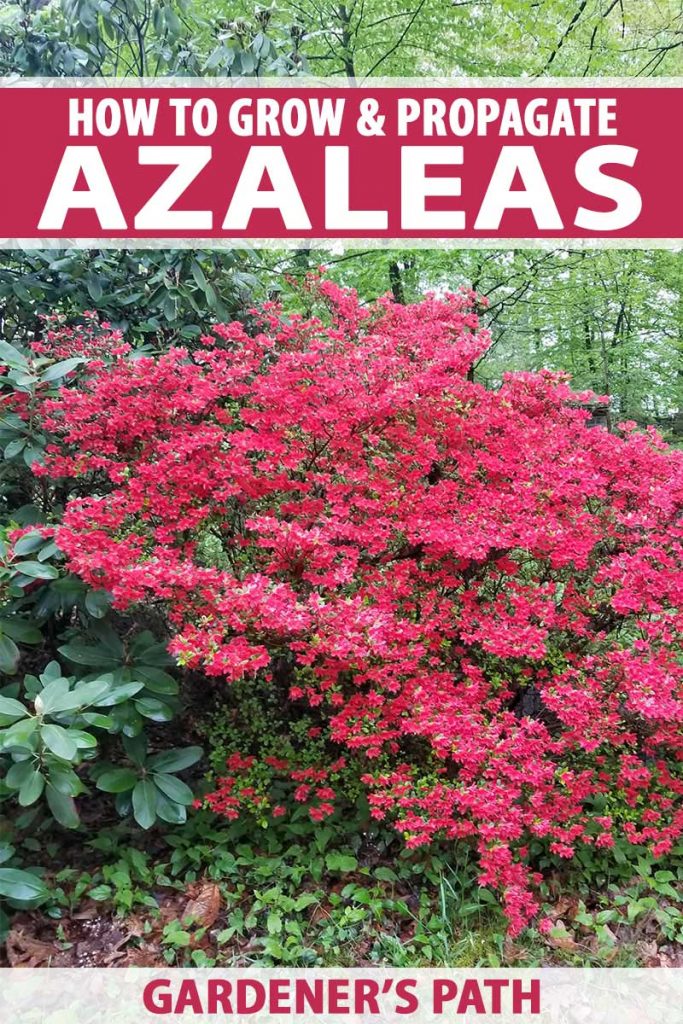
(93, 339)
(480, 596)
(244, 790)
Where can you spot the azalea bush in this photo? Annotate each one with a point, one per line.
(464, 604)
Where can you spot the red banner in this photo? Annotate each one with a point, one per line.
(205, 163)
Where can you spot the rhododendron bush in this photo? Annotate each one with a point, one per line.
(472, 597)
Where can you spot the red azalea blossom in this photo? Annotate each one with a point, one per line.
(93, 339)
(480, 597)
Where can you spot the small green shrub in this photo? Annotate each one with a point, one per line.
(55, 728)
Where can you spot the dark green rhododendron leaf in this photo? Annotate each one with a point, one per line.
(11, 708)
(154, 709)
(19, 734)
(64, 779)
(58, 740)
(92, 657)
(99, 721)
(144, 803)
(37, 570)
(47, 552)
(63, 807)
(22, 886)
(31, 789)
(15, 447)
(83, 740)
(118, 780)
(120, 694)
(156, 680)
(28, 543)
(174, 789)
(9, 655)
(12, 356)
(19, 773)
(170, 811)
(20, 630)
(61, 369)
(174, 760)
(97, 603)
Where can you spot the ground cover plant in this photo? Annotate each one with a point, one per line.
(302, 894)
(419, 602)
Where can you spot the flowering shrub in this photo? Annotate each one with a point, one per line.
(470, 594)
(92, 339)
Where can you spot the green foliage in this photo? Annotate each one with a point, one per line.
(122, 683)
(145, 38)
(21, 438)
(150, 786)
(618, 899)
(22, 567)
(19, 889)
(169, 295)
(138, 663)
(299, 894)
(23, 887)
(377, 37)
(42, 747)
(53, 725)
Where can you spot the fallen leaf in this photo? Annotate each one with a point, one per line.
(24, 951)
(670, 956)
(88, 912)
(319, 913)
(566, 906)
(147, 956)
(205, 907)
(648, 954)
(512, 952)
